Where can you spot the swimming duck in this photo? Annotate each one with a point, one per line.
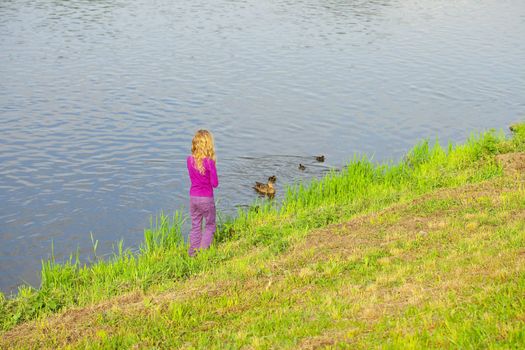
(319, 158)
(266, 189)
(301, 167)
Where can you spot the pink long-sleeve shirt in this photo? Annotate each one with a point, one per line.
(202, 185)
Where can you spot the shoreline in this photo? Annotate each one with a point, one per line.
(362, 188)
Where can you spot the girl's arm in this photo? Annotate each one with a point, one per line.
(213, 174)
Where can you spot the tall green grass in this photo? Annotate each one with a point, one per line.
(361, 186)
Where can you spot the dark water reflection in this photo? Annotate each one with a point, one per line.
(99, 100)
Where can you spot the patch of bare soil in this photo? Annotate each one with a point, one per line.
(512, 162)
(74, 323)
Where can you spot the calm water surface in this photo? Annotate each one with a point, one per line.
(99, 101)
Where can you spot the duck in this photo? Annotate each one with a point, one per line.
(514, 127)
(266, 189)
(319, 158)
(301, 167)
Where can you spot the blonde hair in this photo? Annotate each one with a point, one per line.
(202, 147)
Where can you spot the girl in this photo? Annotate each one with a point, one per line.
(203, 176)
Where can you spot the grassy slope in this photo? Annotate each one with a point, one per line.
(432, 270)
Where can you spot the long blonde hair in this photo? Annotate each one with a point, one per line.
(202, 147)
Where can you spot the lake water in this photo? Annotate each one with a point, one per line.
(99, 101)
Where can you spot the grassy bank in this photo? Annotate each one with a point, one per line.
(301, 275)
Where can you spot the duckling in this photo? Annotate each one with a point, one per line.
(273, 178)
(319, 158)
(301, 167)
(266, 189)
